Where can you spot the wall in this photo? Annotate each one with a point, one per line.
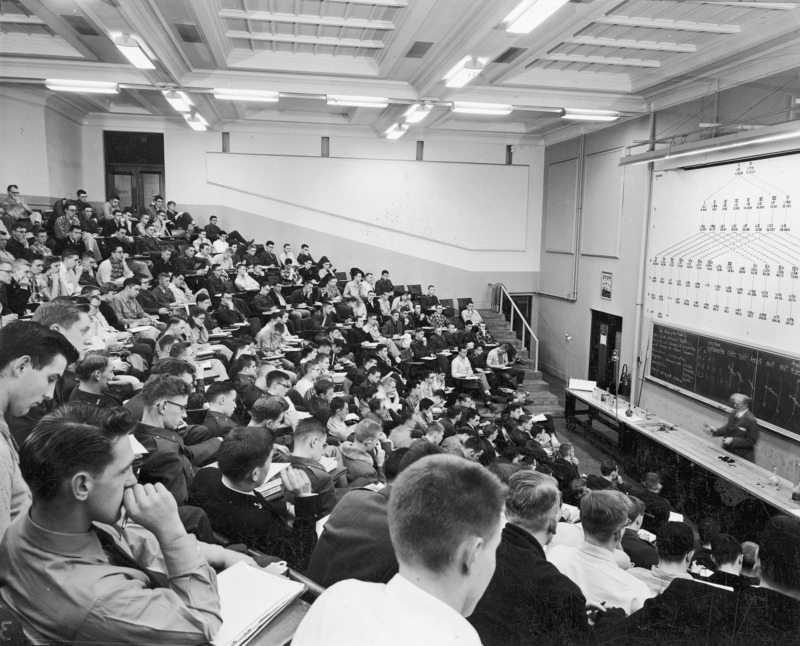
(23, 137)
(64, 156)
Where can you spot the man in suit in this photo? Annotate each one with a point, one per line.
(528, 600)
(309, 446)
(267, 257)
(565, 465)
(609, 478)
(641, 552)
(221, 397)
(740, 430)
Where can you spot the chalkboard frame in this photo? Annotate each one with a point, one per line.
(719, 404)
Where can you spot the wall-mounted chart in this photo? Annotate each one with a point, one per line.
(724, 251)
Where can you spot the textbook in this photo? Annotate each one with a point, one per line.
(250, 598)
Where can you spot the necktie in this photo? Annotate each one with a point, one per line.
(119, 557)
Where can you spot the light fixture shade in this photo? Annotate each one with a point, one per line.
(396, 131)
(576, 114)
(357, 101)
(497, 109)
(417, 112)
(130, 48)
(530, 14)
(84, 87)
(196, 121)
(179, 101)
(262, 96)
(462, 75)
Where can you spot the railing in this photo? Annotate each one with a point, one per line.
(502, 303)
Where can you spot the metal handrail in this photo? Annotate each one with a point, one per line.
(499, 295)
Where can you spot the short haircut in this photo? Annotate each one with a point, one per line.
(166, 342)
(219, 388)
(603, 513)
(179, 348)
(275, 375)
(268, 409)
(725, 549)
(338, 403)
(89, 364)
(474, 443)
(436, 504)
(531, 498)
(160, 387)
(131, 282)
(367, 429)
(652, 480)
(309, 427)
(244, 449)
(308, 366)
(172, 366)
(59, 312)
(635, 507)
(564, 449)
(675, 541)
(74, 437)
(749, 556)
(434, 428)
(391, 467)
(41, 344)
(322, 386)
(425, 404)
(607, 467)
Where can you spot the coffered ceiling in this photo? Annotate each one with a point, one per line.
(628, 56)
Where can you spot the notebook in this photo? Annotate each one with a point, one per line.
(250, 598)
(582, 384)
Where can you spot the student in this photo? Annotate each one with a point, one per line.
(32, 360)
(74, 574)
(445, 518)
(309, 447)
(95, 375)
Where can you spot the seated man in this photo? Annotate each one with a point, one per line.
(461, 368)
(528, 600)
(656, 507)
(364, 456)
(445, 517)
(498, 361)
(604, 516)
(675, 550)
(95, 376)
(73, 573)
(727, 553)
(309, 447)
(565, 464)
(609, 478)
(641, 553)
(221, 398)
(229, 495)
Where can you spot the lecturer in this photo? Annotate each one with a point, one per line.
(740, 430)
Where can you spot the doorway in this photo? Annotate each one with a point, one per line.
(134, 164)
(605, 338)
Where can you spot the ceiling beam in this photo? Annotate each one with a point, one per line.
(321, 21)
(601, 60)
(650, 45)
(380, 3)
(37, 45)
(54, 22)
(307, 40)
(20, 19)
(662, 23)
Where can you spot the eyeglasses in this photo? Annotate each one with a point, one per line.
(181, 406)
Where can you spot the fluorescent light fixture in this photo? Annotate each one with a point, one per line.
(417, 112)
(131, 49)
(357, 101)
(196, 121)
(179, 101)
(496, 109)
(576, 114)
(263, 96)
(84, 87)
(530, 14)
(464, 72)
(396, 131)
(736, 144)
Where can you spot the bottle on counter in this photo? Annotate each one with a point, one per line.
(796, 488)
(773, 479)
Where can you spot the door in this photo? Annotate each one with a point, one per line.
(605, 339)
(134, 163)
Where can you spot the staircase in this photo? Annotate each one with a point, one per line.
(543, 400)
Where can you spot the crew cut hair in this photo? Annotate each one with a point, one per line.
(531, 498)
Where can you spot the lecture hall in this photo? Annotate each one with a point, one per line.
(420, 322)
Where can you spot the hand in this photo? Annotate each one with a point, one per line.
(120, 366)
(708, 429)
(9, 318)
(380, 455)
(229, 557)
(280, 448)
(155, 509)
(296, 481)
(121, 380)
(727, 441)
(163, 310)
(594, 609)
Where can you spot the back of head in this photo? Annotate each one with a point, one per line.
(675, 541)
(308, 428)
(89, 365)
(436, 504)
(749, 558)
(160, 387)
(367, 429)
(220, 388)
(652, 481)
(75, 437)
(531, 499)
(172, 366)
(603, 513)
(779, 552)
(635, 508)
(607, 467)
(62, 313)
(725, 549)
(244, 449)
(268, 409)
(564, 449)
(416, 451)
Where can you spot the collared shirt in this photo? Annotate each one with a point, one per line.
(595, 571)
(397, 612)
(69, 281)
(461, 367)
(497, 358)
(67, 591)
(104, 272)
(127, 310)
(655, 579)
(182, 296)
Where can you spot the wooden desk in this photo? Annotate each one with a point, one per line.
(698, 450)
(279, 631)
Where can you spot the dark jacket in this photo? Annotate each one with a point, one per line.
(167, 461)
(641, 553)
(321, 482)
(355, 543)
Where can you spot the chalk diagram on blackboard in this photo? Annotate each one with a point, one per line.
(725, 250)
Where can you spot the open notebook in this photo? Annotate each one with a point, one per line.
(250, 598)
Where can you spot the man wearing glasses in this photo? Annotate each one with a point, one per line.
(15, 205)
(168, 460)
(65, 224)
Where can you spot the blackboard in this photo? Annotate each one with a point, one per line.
(714, 369)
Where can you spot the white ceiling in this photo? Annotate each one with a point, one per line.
(626, 55)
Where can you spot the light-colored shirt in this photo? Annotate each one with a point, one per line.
(461, 367)
(474, 316)
(655, 579)
(69, 280)
(104, 272)
(595, 571)
(497, 358)
(182, 296)
(127, 311)
(395, 613)
(246, 283)
(15, 497)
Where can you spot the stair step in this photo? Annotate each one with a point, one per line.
(536, 386)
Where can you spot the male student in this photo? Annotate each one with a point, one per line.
(74, 573)
(445, 518)
(309, 446)
(32, 360)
